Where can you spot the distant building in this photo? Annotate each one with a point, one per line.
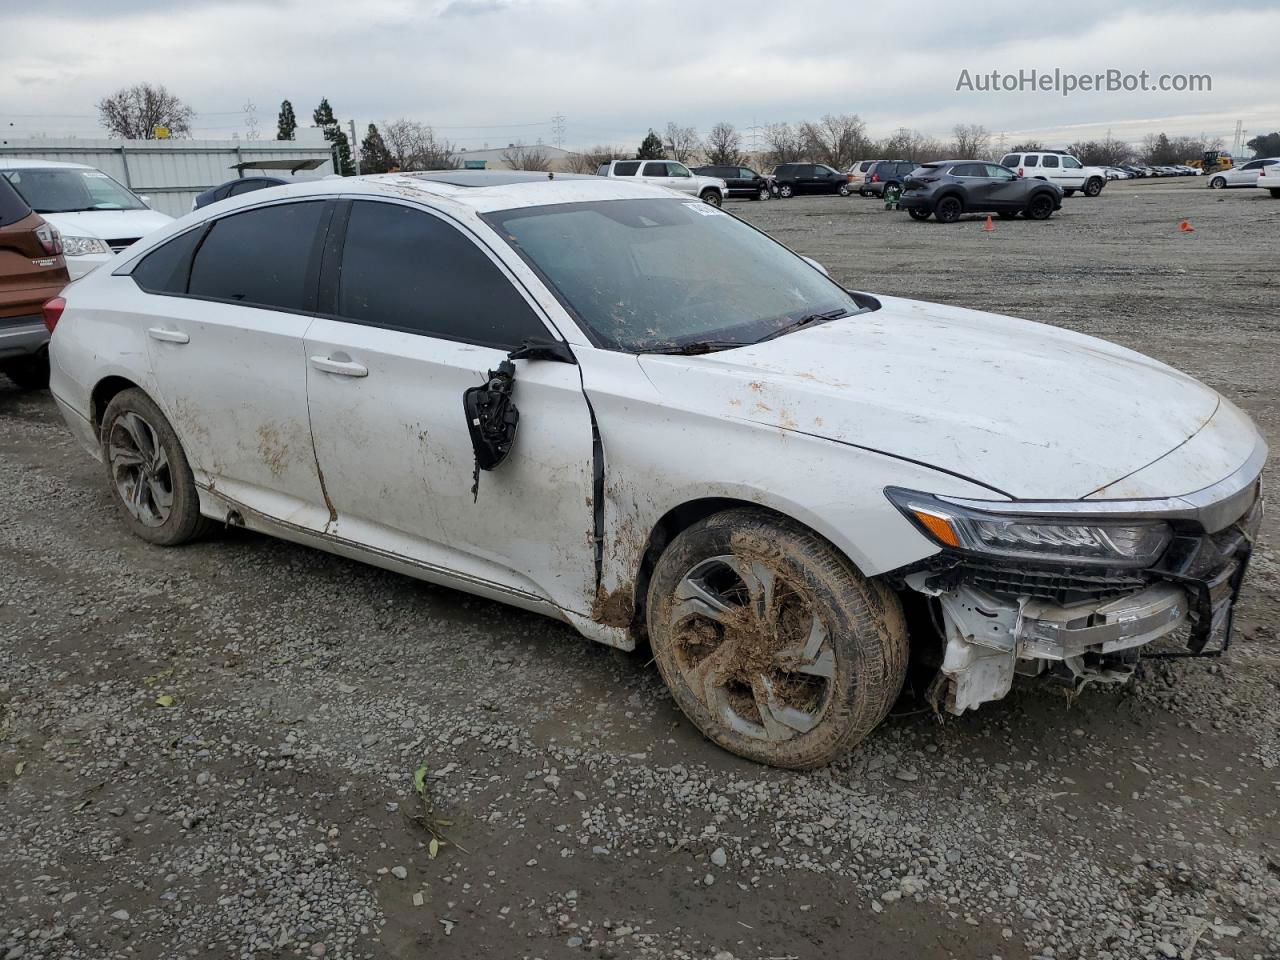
(492, 159)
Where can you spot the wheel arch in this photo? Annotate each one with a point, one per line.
(104, 391)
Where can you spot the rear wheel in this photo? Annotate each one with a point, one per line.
(948, 210)
(917, 213)
(784, 191)
(1039, 207)
(1093, 187)
(30, 372)
(712, 197)
(764, 194)
(843, 190)
(771, 642)
(148, 472)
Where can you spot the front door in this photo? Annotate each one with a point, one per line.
(418, 312)
(226, 348)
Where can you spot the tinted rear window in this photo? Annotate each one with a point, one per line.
(166, 268)
(12, 207)
(1031, 160)
(1011, 159)
(261, 257)
(626, 168)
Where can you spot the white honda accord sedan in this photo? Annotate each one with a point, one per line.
(630, 410)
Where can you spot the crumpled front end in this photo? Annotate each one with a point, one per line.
(1001, 617)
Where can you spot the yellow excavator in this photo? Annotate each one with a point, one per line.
(1213, 161)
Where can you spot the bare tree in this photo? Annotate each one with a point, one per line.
(681, 143)
(724, 145)
(836, 140)
(783, 144)
(518, 156)
(1105, 152)
(1028, 146)
(133, 113)
(908, 144)
(588, 161)
(414, 146)
(972, 142)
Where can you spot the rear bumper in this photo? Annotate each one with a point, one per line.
(909, 201)
(22, 336)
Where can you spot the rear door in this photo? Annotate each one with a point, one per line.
(416, 311)
(225, 307)
(655, 172)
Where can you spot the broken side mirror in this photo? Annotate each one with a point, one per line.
(492, 416)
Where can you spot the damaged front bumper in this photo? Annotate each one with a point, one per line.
(999, 620)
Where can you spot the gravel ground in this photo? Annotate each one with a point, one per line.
(210, 751)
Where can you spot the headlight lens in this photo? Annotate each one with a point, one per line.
(83, 246)
(1122, 543)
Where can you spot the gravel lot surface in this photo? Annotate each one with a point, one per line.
(210, 751)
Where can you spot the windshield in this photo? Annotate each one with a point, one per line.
(67, 190)
(657, 274)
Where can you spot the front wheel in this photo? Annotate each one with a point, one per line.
(712, 197)
(29, 372)
(1217, 183)
(784, 191)
(917, 213)
(1093, 187)
(772, 644)
(948, 210)
(1040, 207)
(149, 475)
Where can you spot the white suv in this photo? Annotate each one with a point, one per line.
(668, 173)
(1061, 168)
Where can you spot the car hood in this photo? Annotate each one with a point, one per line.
(1028, 410)
(108, 224)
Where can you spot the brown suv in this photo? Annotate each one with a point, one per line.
(32, 270)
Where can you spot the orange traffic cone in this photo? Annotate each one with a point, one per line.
(989, 227)
(1186, 227)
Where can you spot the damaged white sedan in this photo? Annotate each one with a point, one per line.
(629, 410)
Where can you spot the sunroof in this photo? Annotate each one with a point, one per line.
(494, 178)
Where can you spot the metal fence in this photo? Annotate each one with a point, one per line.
(171, 172)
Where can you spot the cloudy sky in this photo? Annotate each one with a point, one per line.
(487, 72)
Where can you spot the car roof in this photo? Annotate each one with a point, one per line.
(474, 191)
(12, 163)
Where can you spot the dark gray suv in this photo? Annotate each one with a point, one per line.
(947, 189)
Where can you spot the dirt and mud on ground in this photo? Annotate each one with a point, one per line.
(210, 752)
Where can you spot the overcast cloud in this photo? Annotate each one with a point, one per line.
(493, 71)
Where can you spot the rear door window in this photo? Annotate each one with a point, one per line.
(1050, 160)
(1031, 160)
(264, 257)
(408, 270)
(655, 169)
(626, 168)
(167, 268)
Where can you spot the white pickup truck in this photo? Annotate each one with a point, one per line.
(667, 173)
(1269, 179)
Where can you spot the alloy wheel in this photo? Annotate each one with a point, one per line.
(140, 469)
(753, 648)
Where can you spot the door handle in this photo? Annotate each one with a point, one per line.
(342, 365)
(168, 336)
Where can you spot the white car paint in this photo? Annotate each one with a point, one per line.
(1245, 175)
(815, 425)
(1061, 168)
(1269, 179)
(113, 227)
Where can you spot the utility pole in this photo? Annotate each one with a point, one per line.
(355, 147)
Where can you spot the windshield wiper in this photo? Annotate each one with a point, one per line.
(806, 321)
(696, 347)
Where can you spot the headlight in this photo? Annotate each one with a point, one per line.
(1090, 540)
(83, 246)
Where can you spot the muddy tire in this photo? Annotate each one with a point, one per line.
(28, 373)
(148, 473)
(770, 641)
